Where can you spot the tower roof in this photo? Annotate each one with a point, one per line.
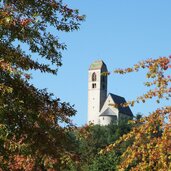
(99, 64)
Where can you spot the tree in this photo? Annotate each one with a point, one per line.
(87, 142)
(151, 148)
(105, 136)
(106, 162)
(31, 136)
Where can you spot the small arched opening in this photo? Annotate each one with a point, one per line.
(94, 77)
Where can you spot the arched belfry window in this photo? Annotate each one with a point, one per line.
(94, 76)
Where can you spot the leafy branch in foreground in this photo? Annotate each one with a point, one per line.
(151, 148)
(28, 23)
(31, 136)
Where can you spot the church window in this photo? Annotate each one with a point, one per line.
(94, 76)
(94, 85)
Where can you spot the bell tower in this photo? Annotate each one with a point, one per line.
(97, 90)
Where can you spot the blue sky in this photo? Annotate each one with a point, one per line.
(120, 33)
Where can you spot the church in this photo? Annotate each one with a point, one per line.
(99, 109)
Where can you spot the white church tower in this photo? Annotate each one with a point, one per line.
(97, 90)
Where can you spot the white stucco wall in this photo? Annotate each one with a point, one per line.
(96, 96)
(93, 97)
(107, 104)
(106, 120)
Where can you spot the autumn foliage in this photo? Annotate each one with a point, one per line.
(151, 137)
(31, 136)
